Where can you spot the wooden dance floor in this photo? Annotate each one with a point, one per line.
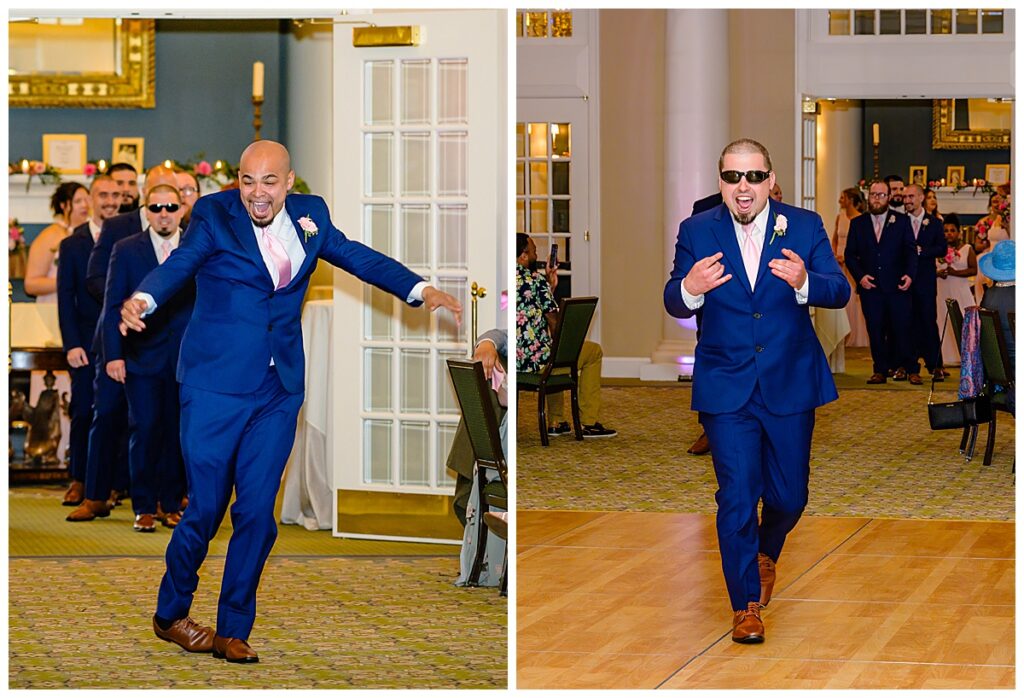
(637, 600)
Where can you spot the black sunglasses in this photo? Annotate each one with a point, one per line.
(734, 176)
(157, 208)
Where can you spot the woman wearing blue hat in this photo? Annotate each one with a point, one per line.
(1000, 266)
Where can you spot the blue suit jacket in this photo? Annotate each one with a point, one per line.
(114, 230)
(240, 321)
(155, 349)
(762, 336)
(932, 242)
(77, 311)
(887, 260)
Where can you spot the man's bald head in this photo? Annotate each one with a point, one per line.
(264, 178)
(158, 175)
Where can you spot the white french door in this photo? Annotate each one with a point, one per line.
(419, 156)
(553, 187)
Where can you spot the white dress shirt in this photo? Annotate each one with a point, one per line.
(158, 243)
(94, 230)
(760, 223)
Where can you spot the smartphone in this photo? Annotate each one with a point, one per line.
(553, 258)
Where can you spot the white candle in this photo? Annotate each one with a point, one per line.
(257, 80)
(874, 130)
(24, 166)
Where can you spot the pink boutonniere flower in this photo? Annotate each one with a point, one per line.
(309, 228)
(781, 224)
(892, 219)
(927, 221)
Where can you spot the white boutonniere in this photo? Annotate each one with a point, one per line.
(892, 219)
(927, 221)
(780, 227)
(309, 228)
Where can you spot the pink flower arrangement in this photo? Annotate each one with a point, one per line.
(89, 170)
(17, 235)
(37, 168)
(204, 168)
(981, 229)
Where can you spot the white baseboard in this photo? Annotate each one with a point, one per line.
(642, 368)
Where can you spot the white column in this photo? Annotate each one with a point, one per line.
(696, 130)
(839, 155)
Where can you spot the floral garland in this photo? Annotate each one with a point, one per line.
(47, 174)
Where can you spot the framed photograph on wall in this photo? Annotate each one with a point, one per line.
(918, 175)
(65, 152)
(128, 150)
(954, 175)
(997, 174)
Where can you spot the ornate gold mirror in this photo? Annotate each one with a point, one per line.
(94, 63)
(971, 124)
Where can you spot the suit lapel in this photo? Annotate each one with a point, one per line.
(725, 233)
(147, 251)
(307, 241)
(241, 226)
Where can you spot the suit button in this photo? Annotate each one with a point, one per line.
(270, 328)
(270, 296)
(758, 348)
(757, 316)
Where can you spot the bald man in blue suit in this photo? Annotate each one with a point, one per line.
(754, 266)
(251, 252)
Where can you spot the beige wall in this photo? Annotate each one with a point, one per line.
(632, 102)
(763, 81)
(632, 122)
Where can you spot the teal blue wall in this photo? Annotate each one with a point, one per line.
(203, 96)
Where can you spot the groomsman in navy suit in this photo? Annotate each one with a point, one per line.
(930, 243)
(754, 267)
(882, 258)
(78, 313)
(145, 363)
(241, 369)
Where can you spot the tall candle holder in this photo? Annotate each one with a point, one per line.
(876, 160)
(476, 292)
(257, 115)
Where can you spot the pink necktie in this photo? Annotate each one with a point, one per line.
(878, 230)
(279, 257)
(165, 251)
(917, 226)
(751, 255)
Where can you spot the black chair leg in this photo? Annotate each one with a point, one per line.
(963, 440)
(542, 416)
(990, 446)
(971, 442)
(574, 401)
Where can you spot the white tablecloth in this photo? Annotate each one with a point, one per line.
(308, 482)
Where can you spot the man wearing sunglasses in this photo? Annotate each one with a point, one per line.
(144, 363)
(754, 266)
(242, 372)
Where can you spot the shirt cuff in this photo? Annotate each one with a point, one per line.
(692, 302)
(416, 294)
(801, 293)
(150, 303)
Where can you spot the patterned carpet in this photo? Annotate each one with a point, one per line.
(326, 619)
(873, 455)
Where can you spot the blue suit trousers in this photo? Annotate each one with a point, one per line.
(154, 444)
(239, 441)
(107, 462)
(758, 457)
(80, 411)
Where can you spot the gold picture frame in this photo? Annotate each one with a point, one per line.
(130, 150)
(945, 135)
(918, 175)
(65, 152)
(954, 175)
(997, 174)
(132, 86)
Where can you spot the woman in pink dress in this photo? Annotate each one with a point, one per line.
(851, 205)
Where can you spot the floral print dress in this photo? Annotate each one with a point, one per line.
(534, 300)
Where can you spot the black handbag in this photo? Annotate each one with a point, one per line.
(962, 413)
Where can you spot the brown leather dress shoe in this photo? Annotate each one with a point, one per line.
(187, 634)
(876, 379)
(114, 500)
(766, 569)
(701, 445)
(496, 524)
(915, 379)
(234, 650)
(88, 510)
(145, 523)
(75, 494)
(900, 375)
(171, 520)
(747, 627)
